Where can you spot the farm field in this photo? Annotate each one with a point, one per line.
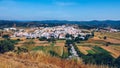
(112, 50)
(92, 50)
(56, 50)
(41, 43)
(84, 49)
(60, 43)
(113, 37)
(117, 48)
(88, 47)
(36, 42)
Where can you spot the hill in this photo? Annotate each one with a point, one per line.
(50, 23)
(35, 60)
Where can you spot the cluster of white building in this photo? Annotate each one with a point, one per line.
(56, 32)
(7, 29)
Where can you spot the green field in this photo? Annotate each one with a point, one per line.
(100, 50)
(53, 50)
(91, 51)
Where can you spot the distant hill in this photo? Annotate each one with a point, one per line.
(83, 24)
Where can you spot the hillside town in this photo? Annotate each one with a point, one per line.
(48, 32)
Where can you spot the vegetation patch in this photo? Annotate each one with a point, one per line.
(6, 45)
(91, 51)
(100, 50)
(65, 52)
(55, 51)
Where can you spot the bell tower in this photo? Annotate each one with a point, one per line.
(14, 25)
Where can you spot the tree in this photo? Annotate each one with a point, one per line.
(104, 37)
(68, 42)
(67, 35)
(43, 39)
(79, 35)
(92, 33)
(19, 49)
(117, 62)
(52, 39)
(108, 43)
(77, 39)
(5, 36)
(5, 46)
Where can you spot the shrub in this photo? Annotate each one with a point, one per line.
(5, 36)
(43, 39)
(6, 45)
(117, 62)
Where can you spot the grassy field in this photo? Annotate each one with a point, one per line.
(36, 60)
(56, 50)
(91, 52)
(41, 43)
(84, 49)
(113, 48)
(113, 52)
(43, 54)
(113, 35)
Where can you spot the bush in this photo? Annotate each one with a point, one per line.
(5, 36)
(104, 37)
(52, 39)
(43, 39)
(117, 62)
(6, 45)
(19, 49)
(53, 53)
(68, 42)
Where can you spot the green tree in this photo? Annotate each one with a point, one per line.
(117, 62)
(52, 39)
(68, 42)
(5, 36)
(108, 43)
(77, 39)
(104, 37)
(92, 33)
(67, 35)
(43, 39)
(6, 45)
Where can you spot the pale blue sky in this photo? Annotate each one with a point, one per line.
(60, 10)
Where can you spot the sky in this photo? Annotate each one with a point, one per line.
(75, 10)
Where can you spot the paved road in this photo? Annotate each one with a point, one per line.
(73, 52)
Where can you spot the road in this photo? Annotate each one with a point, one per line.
(73, 52)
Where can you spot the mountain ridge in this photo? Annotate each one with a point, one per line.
(92, 23)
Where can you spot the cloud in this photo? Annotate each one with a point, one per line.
(65, 3)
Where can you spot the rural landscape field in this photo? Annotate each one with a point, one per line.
(89, 49)
(59, 33)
